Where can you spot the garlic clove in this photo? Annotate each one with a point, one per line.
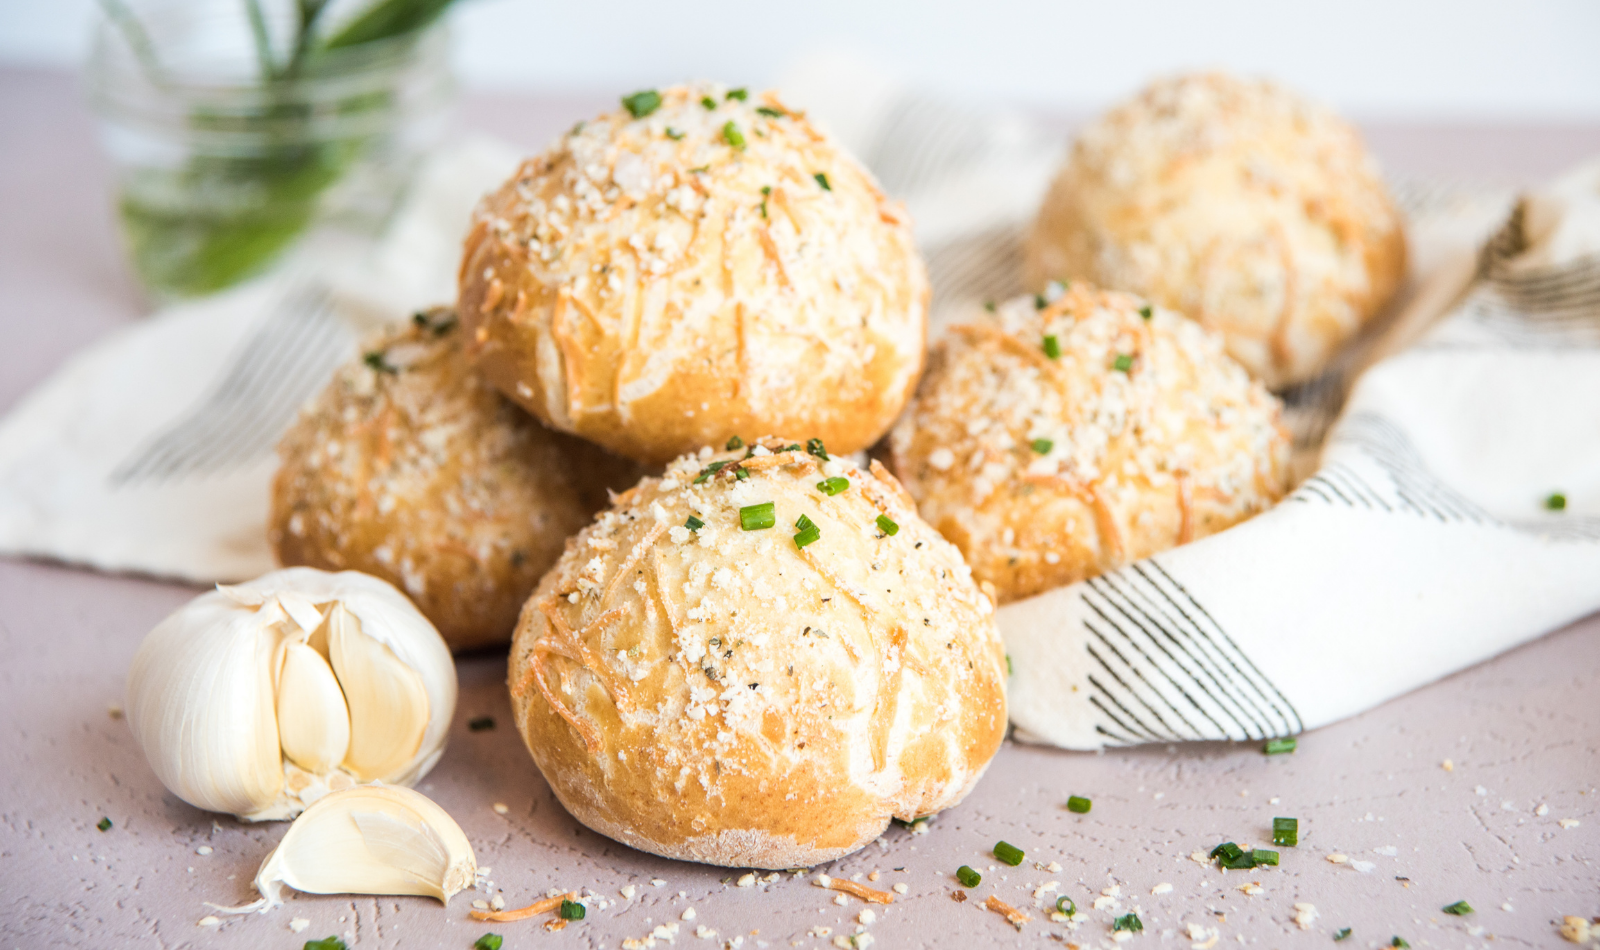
(387, 699)
(313, 721)
(369, 839)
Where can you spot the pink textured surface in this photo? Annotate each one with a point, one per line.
(1523, 731)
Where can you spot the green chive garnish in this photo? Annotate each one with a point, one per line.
(1286, 831)
(1399, 942)
(822, 179)
(908, 825)
(770, 112)
(734, 442)
(834, 485)
(1263, 857)
(1052, 347)
(989, 305)
(488, 942)
(103, 824)
(1279, 746)
(1039, 303)
(694, 524)
(572, 910)
(1071, 909)
(1122, 363)
(709, 471)
(808, 533)
(1340, 934)
(1556, 501)
(732, 135)
(375, 361)
(481, 724)
(1008, 853)
(708, 102)
(1079, 805)
(740, 94)
(968, 877)
(1459, 908)
(1226, 849)
(742, 474)
(887, 525)
(1128, 922)
(674, 134)
(1144, 312)
(758, 517)
(1042, 446)
(641, 104)
(1010, 671)
(815, 447)
(1233, 857)
(326, 943)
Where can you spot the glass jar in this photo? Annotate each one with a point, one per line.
(225, 155)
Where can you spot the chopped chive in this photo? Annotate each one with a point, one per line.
(1010, 670)
(1052, 347)
(758, 517)
(1279, 746)
(1071, 909)
(1128, 922)
(791, 447)
(420, 319)
(1556, 501)
(1242, 861)
(732, 135)
(674, 134)
(481, 724)
(742, 474)
(326, 943)
(1263, 857)
(989, 305)
(809, 532)
(488, 942)
(1286, 831)
(641, 104)
(694, 524)
(1079, 805)
(377, 364)
(908, 825)
(1144, 312)
(104, 824)
(1226, 852)
(708, 102)
(833, 486)
(740, 94)
(734, 442)
(815, 447)
(1008, 853)
(968, 877)
(1459, 908)
(709, 471)
(1340, 934)
(822, 179)
(1399, 942)
(1039, 303)
(770, 112)
(572, 910)
(887, 525)
(1122, 363)
(1042, 446)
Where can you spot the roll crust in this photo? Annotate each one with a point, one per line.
(410, 468)
(660, 283)
(1142, 434)
(727, 696)
(1259, 214)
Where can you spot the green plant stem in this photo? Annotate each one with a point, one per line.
(263, 40)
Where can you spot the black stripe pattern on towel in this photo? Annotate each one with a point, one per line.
(1163, 670)
(238, 420)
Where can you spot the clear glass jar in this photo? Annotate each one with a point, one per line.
(221, 170)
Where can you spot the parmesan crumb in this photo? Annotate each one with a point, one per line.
(500, 808)
(1304, 915)
(1338, 859)
(747, 880)
(299, 923)
(688, 914)
(1162, 888)
(1568, 822)
(901, 889)
(1448, 765)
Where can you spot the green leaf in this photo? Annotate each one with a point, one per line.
(385, 19)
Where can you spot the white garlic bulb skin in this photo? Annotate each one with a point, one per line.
(255, 699)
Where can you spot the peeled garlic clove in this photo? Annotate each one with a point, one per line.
(388, 703)
(370, 839)
(313, 722)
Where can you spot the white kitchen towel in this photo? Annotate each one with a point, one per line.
(1456, 514)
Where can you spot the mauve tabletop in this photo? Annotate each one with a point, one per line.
(1481, 787)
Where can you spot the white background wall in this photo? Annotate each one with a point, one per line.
(1446, 59)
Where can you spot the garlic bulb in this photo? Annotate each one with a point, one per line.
(257, 699)
(370, 839)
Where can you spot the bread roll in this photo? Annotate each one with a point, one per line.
(714, 266)
(410, 468)
(698, 686)
(1140, 434)
(1242, 205)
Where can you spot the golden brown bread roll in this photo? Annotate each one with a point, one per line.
(699, 686)
(1237, 203)
(1055, 444)
(714, 266)
(410, 468)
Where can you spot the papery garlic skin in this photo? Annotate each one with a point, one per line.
(237, 701)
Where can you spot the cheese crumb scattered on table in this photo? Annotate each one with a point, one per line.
(1252, 888)
(1304, 915)
(1575, 929)
(1162, 888)
(203, 849)
(209, 921)
(1568, 822)
(901, 888)
(500, 808)
(1339, 858)
(1448, 765)
(299, 923)
(688, 914)
(629, 891)
(705, 933)
(866, 917)
(747, 880)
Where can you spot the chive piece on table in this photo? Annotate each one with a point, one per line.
(758, 517)
(694, 524)
(1226, 849)
(481, 724)
(1079, 805)
(887, 525)
(968, 877)
(103, 824)
(1261, 856)
(641, 104)
(1286, 831)
(834, 485)
(488, 942)
(1399, 942)
(1042, 446)
(1459, 908)
(1008, 853)
(1556, 501)
(1071, 909)
(1128, 922)
(1340, 934)
(1279, 746)
(572, 910)
(326, 943)
(1052, 347)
